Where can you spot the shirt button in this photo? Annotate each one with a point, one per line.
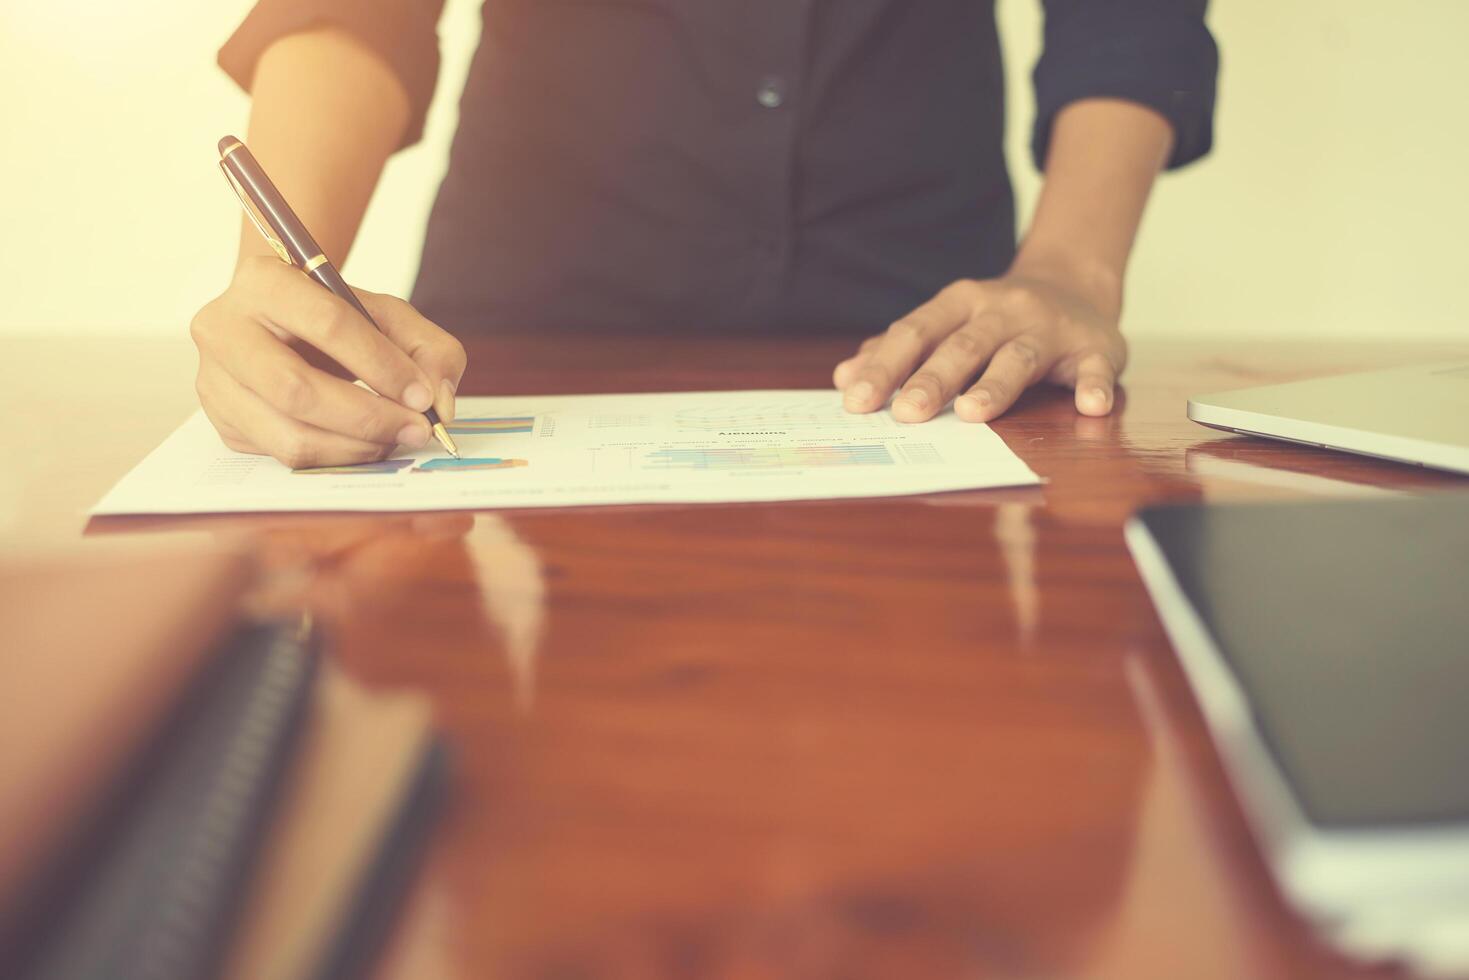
(771, 93)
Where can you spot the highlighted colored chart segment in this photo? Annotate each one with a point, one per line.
(488, 426)
(450, 465)
(766, 457)
(380, 467)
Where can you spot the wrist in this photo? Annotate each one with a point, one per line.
(1094, 279)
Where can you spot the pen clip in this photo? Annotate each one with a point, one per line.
(254, 216)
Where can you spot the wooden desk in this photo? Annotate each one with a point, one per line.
(922, 737)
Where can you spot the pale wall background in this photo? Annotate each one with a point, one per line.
(1335, 204)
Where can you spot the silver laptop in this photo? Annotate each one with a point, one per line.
(1416, 415)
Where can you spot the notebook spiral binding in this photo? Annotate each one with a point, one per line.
(162, 900)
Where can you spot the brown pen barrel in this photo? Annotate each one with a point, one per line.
(241, 164)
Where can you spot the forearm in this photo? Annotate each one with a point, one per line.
(1104, 155)
(325, 115)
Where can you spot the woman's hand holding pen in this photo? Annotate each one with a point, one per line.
(265, 396)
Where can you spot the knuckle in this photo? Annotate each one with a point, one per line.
(1020, 300)
(384, 308)
(965, 345)
(386, 305)
(234, 442)
(390, 305)
(295, 451)
(967, 289)
(1025, 352)
(370, 428)
(905, 331)
(927, 380)
(198, 328)
(874, 375)
(457, 356)
(202, 326)
(294, 394)
(332, 323)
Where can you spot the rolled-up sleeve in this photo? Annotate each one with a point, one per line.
(1157, 53)
(401, 32)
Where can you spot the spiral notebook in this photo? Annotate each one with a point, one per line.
(95, 655)
(356, 808)
(189, 795)
(159, 896)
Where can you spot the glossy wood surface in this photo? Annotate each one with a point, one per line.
(937, 736)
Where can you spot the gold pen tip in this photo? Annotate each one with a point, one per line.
(446, 440)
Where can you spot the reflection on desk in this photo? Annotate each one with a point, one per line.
(929, 736)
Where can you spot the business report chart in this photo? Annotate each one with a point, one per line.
(566, 450)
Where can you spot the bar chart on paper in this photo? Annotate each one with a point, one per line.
(377, 468)
(481, 426)
(569, 450)
(468, 464)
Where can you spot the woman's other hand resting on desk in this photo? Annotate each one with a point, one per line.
(1011, 332)
(1054, 315)
(259, 387)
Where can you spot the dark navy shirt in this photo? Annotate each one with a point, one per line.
(729, 165)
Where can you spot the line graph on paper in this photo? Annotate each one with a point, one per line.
(779, 416)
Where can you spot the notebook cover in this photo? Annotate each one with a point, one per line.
(358, 802)
(161, 893)
(93, 655)
(1346, 625)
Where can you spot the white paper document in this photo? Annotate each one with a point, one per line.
(556, 451)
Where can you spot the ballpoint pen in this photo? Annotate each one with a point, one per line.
(274, 219)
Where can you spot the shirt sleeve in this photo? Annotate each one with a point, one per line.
(401, 32)
(1158, 53)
